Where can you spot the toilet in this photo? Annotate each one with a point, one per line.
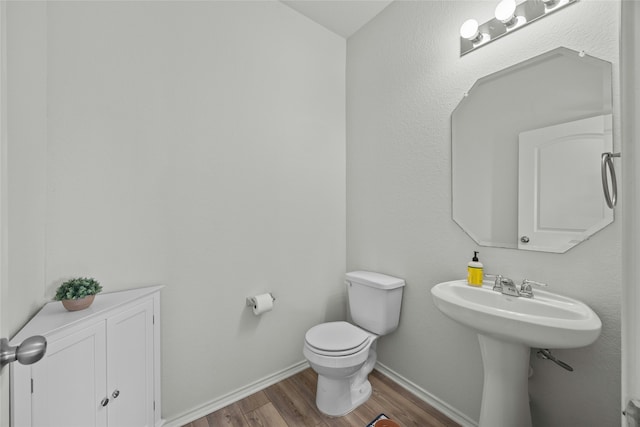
(343, 354)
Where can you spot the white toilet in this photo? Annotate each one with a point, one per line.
(343, 354)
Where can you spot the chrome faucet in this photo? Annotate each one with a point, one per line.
(506, 286)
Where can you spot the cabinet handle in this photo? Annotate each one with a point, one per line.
(115, 393)
(104, 401)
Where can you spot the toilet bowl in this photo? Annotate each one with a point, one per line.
(342, 355)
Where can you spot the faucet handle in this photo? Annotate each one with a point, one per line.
(497, 284)
(525, 287)
(527, 282)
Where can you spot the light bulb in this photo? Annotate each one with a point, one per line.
(505, 12)
(469, 31)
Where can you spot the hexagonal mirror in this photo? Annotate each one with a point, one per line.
(526, 152)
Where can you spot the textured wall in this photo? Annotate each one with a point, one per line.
(200, 145)
(404, 78)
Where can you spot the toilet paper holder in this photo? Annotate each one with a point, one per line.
(251, 301)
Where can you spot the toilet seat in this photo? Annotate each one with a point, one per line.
(337, 339)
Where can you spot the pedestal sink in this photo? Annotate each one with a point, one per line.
(508, 327)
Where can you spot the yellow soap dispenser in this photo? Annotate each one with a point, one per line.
(475, 273)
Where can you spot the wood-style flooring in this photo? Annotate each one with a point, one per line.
(291, 403)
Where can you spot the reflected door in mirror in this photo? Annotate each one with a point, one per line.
(559, 203)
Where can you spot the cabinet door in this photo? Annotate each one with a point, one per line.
(130, 367)
(68, 384)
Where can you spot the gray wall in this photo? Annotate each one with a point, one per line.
(199, 145)
(404, 78)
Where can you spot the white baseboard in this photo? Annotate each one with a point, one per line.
(234, 396)
(242, 392)
(424, 395)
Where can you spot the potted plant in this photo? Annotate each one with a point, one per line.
(78, 293)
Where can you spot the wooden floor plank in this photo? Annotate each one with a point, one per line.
(346, 421)
(266, 416)
(253, 402)
(200, 422)
(231, 416)
(291, 403)
(355, 418)
(294, 409)
(374, 406)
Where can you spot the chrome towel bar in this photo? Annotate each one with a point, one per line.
(606, 163)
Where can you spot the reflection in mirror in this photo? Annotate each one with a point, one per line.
(526, 145)
(560, 199)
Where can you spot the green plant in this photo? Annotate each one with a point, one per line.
(77, 288)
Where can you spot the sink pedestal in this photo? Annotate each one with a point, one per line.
(505, 394)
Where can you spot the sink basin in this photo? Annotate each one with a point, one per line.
(507, 328)
(547, 320)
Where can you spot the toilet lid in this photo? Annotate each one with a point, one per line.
(338, 337)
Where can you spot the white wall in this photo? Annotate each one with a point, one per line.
(26, 171)
(404, 78)
(23, 198)
(200, 145)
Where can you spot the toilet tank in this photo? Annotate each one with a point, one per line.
(374, 300)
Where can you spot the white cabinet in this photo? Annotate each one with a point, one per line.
(129, 373)
(67, 383)
(101, 369)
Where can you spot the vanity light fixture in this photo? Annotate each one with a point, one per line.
(469, 31)
(509, 16)
(506, 13)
